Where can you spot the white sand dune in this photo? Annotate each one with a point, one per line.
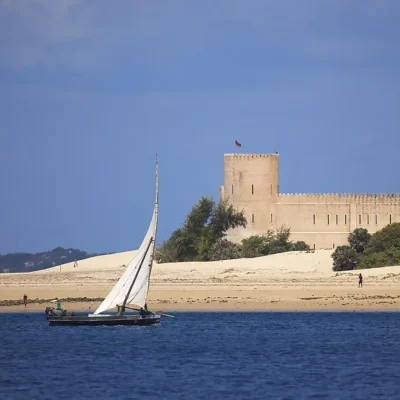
(99, 263)
(276, 265)
(286, 281)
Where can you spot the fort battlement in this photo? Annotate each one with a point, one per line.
(250, 156)
(384, 198)
(351, 195)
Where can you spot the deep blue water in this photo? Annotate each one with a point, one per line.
(205, 356)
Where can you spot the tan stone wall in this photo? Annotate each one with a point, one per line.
(251, 182)
(335, 216)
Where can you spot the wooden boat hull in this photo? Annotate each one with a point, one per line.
(112, 320)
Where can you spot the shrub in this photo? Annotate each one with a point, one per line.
(344, 258)
(299, 246)
(223, 249)
(167, 253)
(383, 248)
(385, 258)
(280, 242)
(385, 239)
(257, 245)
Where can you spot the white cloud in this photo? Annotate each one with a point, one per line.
(76, 34)
(40, 32)
(49, 21)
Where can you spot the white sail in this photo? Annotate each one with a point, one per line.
(137, 272)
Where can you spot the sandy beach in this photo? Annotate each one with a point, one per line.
(295, 281)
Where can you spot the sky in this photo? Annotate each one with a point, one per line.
(91, 90)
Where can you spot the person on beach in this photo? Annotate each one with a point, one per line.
(360, 279)
(25, 299)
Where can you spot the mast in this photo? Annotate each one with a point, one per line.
(155, 229)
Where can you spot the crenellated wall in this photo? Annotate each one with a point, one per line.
(251, 182)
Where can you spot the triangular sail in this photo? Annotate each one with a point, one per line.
(137, 272)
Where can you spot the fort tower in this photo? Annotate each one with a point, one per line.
(251, 182)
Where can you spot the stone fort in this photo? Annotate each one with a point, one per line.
(324, 221)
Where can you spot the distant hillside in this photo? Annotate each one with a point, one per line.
(26, 262)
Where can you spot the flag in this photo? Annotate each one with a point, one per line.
(238, 144)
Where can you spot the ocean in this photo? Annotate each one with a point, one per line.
(204, 356)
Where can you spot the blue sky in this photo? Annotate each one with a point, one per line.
(91, 90)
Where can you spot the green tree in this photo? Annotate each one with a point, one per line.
(224, 217)
(206, 223)
(200, 215)
(184, 244)
(359, 239)
(344, 258)
(205, 243)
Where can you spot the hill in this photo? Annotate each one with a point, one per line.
(28, 262)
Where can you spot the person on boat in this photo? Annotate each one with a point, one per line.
(121, 309)
(58, 304)
(144, 311)
(25, 299)
(360, 279)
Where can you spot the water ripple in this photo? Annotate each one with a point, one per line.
(204, 356)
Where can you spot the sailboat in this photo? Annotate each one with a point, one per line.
(130, 292)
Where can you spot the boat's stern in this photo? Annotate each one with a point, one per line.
(52, 312)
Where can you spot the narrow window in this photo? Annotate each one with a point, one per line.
(313, 217)
(333, 245)
(376, 220)
(367, 219)
(271, 189)
(252, 218)
(314, 246)
(390, 218)
(345, 219)
(252, 189)
(359, 219)
(337, 219)
(278, 190)
(328, 219)
(271, 218)
(232, 189)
